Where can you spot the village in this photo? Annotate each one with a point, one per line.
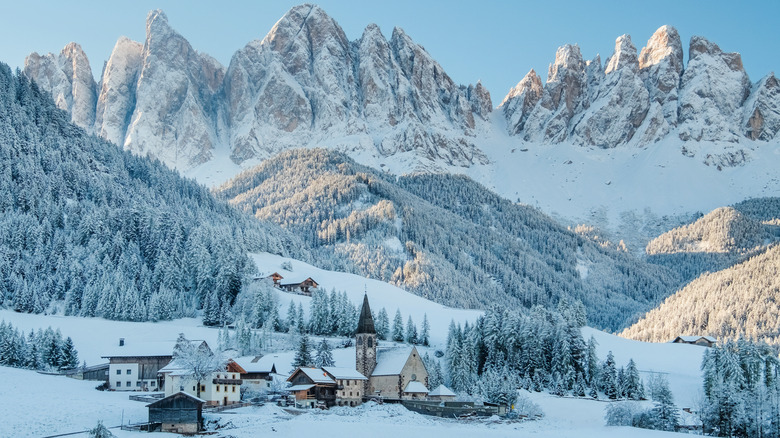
(181, 379)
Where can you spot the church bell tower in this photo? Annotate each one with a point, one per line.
(365, 343)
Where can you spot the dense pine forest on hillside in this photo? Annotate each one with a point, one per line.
(444, 237)
(102, 232)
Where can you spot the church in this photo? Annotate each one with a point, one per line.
(393, 372)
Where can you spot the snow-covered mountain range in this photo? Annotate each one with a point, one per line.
(632, 123)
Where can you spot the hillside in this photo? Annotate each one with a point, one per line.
(443, 237)
(88, 229)
(740, 301)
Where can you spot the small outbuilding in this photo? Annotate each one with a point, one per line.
(177, 413)
(441, 393)
(300, 285)
(704, 341)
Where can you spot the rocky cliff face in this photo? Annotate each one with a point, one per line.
(621, 103)
(304, 83)
(68, 77)
(305, 78)
(761, 120)
(174, 118)
(639, 100)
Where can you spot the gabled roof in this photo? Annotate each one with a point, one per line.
(259, 364)
(296, 279)
(442, 390)
(175, 368)
(344, 373)
(316, 375)
(178, 394)
(416, 387)
(390, 361)
(366, 321)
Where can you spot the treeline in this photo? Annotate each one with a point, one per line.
(741, 390)
(38, 350)
(536, 349)
(88, 229)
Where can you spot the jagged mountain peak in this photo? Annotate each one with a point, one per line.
(624, 56)
(665, 44)
(702, 46)
(306, 22)
(567, 57)
(68, 77)
(530, 80)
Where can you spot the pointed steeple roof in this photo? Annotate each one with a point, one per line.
(366, 322)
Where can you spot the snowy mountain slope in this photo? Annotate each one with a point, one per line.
(739, 301)
(443, 237)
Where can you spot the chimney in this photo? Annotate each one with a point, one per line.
(121, 342)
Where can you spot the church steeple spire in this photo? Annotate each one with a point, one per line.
(365, 344)
(366, 321)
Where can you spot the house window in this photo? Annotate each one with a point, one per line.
(129, 384)
(153, 383)
(202, 388)
(193, 387)
(217, 388)
(118, 384)
(118, 371)
(234, 388)
(128, 371)
(350, 393)
(234, 377)
(138, 383)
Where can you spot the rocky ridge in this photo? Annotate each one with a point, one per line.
(640, 100)
(305, 83)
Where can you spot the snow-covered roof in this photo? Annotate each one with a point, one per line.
(317, 375)
(415, 386)
(295, 279)
(173, 368)
(391, 360)
(345, 373)
(141, 349)
(259, 364)
(442, 390)
(695, 338)
(297, 388)
(176, 394)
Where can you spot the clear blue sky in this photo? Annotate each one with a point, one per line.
(495, 41)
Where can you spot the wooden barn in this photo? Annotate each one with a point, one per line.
(312, 385)
(300, 285)
(177, 413)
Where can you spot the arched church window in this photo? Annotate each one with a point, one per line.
(360, 340)
(370, 342)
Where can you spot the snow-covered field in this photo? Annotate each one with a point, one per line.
(36, 405)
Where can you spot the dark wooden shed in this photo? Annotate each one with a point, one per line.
(177, 413)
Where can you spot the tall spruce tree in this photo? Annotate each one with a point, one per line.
(398, 327)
